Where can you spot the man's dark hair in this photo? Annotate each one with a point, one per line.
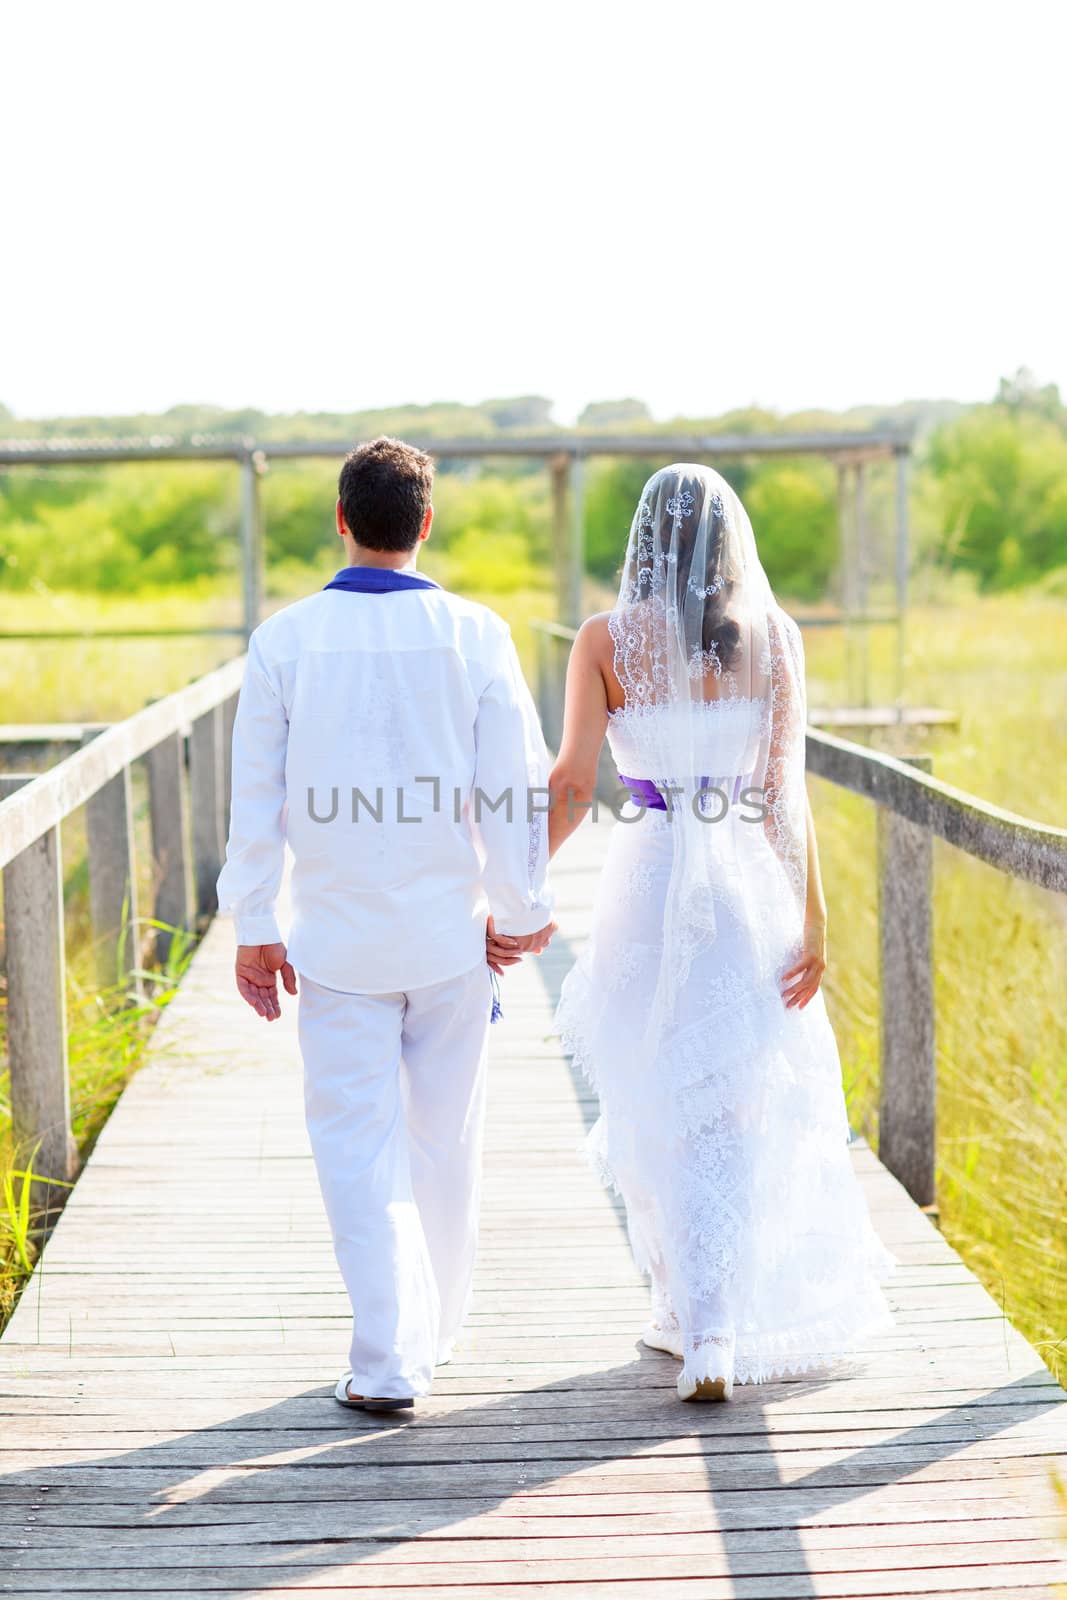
(384, 489)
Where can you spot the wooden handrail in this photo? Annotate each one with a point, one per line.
(872, 444)
(1014, 844)
(188, 805)
(42, 803)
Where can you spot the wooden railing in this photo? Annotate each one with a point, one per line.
(184, 741)
(913, 807)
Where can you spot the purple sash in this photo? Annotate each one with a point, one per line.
(644, 792)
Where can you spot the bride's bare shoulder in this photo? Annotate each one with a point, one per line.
(593, 642)
(593, 657)
(594, 630)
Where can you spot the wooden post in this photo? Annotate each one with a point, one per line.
(112, 880)
(863, 641)
(37, 1016)
(576, 552)
(559, 651)
(205, 785)
(902, 572)
(166, 794)
(561, 470)
(844, 531)
(907, 1117)
(251, 539)
(229, 712)
(542, 645)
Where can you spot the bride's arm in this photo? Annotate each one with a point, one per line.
(785, 772)
(572, 781)
(816, 900)
(801, 981)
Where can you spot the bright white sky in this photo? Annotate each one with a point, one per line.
(321, 204)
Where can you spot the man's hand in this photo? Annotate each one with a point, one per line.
(256, 970)
(504, 950)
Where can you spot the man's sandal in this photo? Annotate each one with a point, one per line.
(369, 1402)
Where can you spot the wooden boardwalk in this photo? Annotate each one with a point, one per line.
(166, 1381)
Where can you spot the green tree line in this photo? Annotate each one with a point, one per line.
(990, 494)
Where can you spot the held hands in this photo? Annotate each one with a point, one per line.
(256, 969)
(502, 950)
(802, 980)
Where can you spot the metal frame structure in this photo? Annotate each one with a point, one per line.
(565, 455)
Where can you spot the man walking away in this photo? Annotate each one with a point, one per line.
(385, 732)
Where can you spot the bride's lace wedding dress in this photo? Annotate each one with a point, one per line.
(723, 1126)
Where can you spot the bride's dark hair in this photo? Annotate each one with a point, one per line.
(719, 631)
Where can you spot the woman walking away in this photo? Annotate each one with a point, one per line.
(696, 1009)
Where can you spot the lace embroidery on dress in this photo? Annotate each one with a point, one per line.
(627, 969)
(725, 1224)
(640, 882)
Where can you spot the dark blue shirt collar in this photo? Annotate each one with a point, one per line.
(378, 580)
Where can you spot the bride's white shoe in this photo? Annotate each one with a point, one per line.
(719, 1387)
(704, 1388)
(657, 1337)
(663, 1332)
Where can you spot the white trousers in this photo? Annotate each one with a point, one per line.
(394, 1095)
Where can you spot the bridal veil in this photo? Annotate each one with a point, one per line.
(696, 624)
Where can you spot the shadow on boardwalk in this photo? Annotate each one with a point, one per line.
(297, 1491)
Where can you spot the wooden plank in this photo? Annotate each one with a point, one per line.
(747, 1577)
(518, 1539)
(144, 1561)
(698, 1556)
(991, 1579)
(553, 1472)
(498, 1516)
(643, 1423)
(122, 1406)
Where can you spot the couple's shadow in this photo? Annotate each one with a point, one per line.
(591, 1473)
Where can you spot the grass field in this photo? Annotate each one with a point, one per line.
(1000, 663)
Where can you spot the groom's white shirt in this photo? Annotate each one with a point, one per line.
(398, 706)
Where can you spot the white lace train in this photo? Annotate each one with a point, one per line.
(730, 1149)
